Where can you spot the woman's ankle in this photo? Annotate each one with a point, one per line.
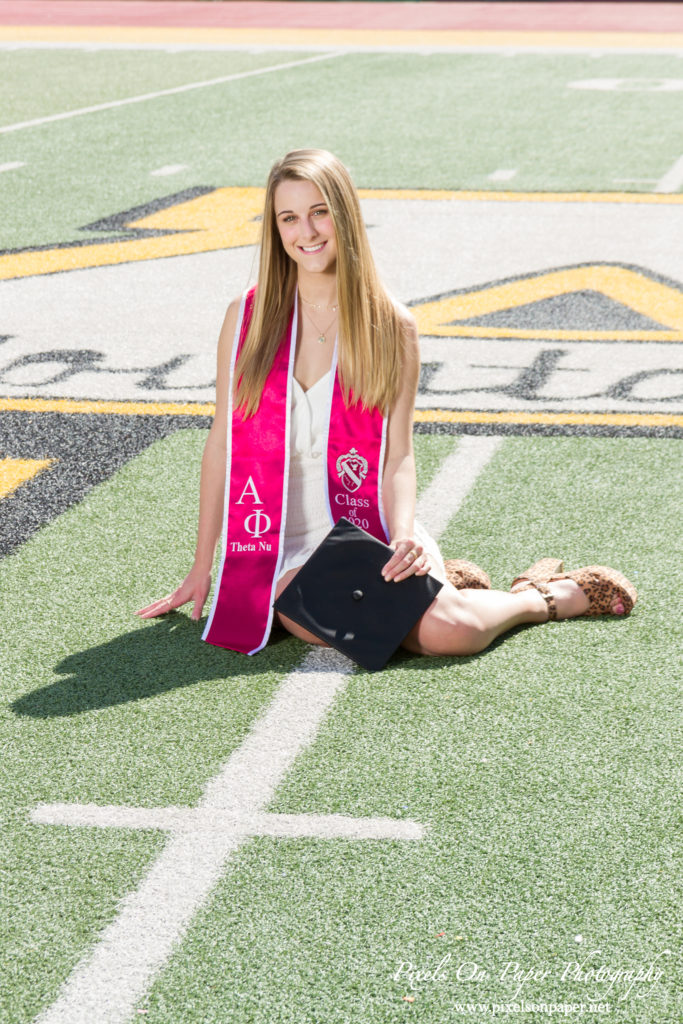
(534, 604)
(570, 599)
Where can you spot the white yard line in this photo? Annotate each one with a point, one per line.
(106, 985)
(167, 92)
(12, 166)
(673, 179)
(454, 481)
(203, 819)
(501, 50)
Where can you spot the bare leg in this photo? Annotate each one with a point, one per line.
(463, 622)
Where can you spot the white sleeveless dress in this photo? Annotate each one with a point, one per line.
(308, 521)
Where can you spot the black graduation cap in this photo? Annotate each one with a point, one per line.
(340, 595)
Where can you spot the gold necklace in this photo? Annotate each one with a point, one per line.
(321, 334)
(318, 305)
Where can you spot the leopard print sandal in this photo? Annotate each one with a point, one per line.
(537, 575)
(608, 591)
(539, 572)
(464, 575)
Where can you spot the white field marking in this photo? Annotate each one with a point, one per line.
(455, 480)
(503, 174)
(673, 179)
(168, 92)
(500, 50)
(162, 172)
(628, 84)
(204, 820)
(12, 166)
(108, 982)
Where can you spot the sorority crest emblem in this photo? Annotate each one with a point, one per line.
(352, 469)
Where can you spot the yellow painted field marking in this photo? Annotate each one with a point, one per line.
(96, 406)
(608, 419)
(638, 292)
(228, 218)
(340, 38)
(616, 419)
(479, 195)
(15, 472)
(223, 219)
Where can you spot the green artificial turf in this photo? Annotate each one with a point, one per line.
(397, 120)
(98, 706)
(545, 768)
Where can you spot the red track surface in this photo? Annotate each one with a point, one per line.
(576, 17)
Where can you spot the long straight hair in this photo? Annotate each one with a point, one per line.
(371, 329)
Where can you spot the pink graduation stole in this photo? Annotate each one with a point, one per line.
(255, 501)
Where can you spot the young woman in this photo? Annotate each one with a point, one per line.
(316, 383)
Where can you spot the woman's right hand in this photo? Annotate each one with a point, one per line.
(195, 587)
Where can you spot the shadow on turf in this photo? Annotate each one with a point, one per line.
(144, 663)
(163, 657)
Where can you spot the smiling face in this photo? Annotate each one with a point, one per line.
(305, 226)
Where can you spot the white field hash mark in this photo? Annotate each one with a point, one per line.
(107, 983)
(503, 174)
(167, 92)
(167, 169)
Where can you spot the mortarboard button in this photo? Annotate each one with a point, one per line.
(348, 564)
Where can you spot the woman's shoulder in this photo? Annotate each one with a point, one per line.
(229, 328)
(408, 324)
(233, 311)
(246, 300)
(246, 297)
(234, 306)
(404, 316)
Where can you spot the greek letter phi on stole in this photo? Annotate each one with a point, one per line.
(256, 490)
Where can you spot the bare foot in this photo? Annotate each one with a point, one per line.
(570, 599)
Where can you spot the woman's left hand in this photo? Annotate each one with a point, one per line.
(408, 559)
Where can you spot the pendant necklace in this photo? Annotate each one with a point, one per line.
(321, 336)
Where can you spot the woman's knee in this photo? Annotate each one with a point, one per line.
(453, 638)
(296, 630)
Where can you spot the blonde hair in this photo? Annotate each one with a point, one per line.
(371, 327)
